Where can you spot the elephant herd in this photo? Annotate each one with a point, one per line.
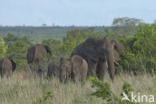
(90, 58)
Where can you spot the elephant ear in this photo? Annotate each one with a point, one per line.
(117, 46)
(13, 65)
(47, 49)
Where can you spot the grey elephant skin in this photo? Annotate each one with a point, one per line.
(53, 70)
(75, 68)
(34, 55)
(7, 66)
(100, 54)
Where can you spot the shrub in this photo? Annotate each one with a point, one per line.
(141, 57)
(3, 48)
(17, 49)
(103, 91)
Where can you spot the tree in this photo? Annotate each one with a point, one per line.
(125, 21)
(125, 25)
(17, 49)
(141, 57)
(11, 39)
(3, 48)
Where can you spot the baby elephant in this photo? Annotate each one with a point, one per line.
(53, 70)
(75, 68)
(7, 66)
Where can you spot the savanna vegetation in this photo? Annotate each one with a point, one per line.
(136, 70)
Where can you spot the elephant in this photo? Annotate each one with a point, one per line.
(74, 68)
(34, 55)
(7, 67)
(100, 54)
(65, 69)
(53, 70)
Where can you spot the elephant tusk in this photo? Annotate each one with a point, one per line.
(116, 63)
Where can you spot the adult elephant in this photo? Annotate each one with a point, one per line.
(75, 68)
(34, 55)
(7, 66)
(100, 54)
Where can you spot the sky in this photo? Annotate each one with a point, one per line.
(74, 12)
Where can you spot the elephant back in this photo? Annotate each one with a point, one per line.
(78, 61)
(87, 50)
(39, 51)
(35, 53)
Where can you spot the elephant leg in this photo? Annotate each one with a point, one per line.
(1, 73)
(76, 78)
(83, 76)
(33, 69)
(8, 73)
(76, 74)
(110, 61)
(92, 68)
(101, 69)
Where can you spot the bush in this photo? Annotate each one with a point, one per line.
(3, 48)
(142, 56)
(17, 49)
(103, 91)
(45, 99)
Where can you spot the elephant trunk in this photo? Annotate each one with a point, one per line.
(110, 62)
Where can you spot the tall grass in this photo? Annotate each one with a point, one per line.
(22, 88)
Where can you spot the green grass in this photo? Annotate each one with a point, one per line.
(22, 88)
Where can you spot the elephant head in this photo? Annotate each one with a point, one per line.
(112, 51)
(109, 58)
(65, 69)
(118, 48)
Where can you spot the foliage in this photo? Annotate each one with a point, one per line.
(103, 91)
(125, 26)
(141, 57)
(17, 49)
(44, 99)
(3, 48)
(127, 88)
(124, 21)
(55, 46)
(11, 39)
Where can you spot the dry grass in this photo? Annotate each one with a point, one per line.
(22, 88)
